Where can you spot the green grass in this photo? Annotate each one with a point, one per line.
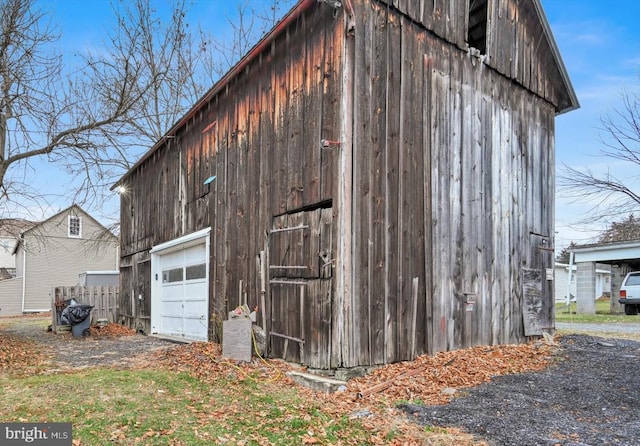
(161, 407)
(37, 323)
(603, 314)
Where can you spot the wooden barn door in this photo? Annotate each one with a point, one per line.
(300, 271)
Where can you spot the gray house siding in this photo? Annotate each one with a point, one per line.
(10, 229)
(10, 297)
(47, 256)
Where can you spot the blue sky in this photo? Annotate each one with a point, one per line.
(599, 42)
(600, 45)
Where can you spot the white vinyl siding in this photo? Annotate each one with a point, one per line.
(10, 293)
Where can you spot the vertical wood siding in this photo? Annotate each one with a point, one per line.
(517, 46)
(442, 138)
(450, 191)
(261, 137)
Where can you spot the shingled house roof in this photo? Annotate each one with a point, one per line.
(13, 227)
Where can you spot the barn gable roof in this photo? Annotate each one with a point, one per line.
(514, 36)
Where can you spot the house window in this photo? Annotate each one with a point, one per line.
(477, 31)
(75, 226)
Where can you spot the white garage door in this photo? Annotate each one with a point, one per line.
(180, 304)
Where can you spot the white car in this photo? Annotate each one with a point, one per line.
(630, 293)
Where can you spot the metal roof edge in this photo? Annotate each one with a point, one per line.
(558, 58)
(610, 245)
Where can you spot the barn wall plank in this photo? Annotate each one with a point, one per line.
(469, 191)
(280, 76)
(427, 191)
(255, 234)
(358, 336)
(443, 220)
(426, 13)
(378, 172)
(331, 111)
(312, 112)
(296, 120)
(411, 247)
(245, 250)
(393, 193)
(266, 129)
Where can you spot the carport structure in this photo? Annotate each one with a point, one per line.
(621, 256)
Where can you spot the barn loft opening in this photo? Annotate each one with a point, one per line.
(477, 32)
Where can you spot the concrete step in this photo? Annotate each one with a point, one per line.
(317, 382)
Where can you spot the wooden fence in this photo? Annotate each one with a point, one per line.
(103, 298)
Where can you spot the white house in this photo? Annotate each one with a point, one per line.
(602, 279)
(54, 253)
(561, 281)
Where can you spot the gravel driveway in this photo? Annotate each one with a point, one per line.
(589, 396)
(68, 352)
(597, 329)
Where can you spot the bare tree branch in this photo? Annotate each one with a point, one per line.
(94, 120)
(219, 54)
(89, 124)
(610, 195)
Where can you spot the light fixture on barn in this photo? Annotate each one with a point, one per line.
(328, 144)
(207, 183)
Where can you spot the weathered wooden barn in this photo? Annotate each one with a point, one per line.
(377, 176)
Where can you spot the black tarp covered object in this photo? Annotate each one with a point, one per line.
(75, 314)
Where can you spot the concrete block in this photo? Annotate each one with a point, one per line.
(316, 382)
(236, 339)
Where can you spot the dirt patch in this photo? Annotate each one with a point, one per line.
(64, 351)
(587, 397)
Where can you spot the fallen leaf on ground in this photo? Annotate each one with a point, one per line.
(17, 352)
(426, 380)
(111, 329)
